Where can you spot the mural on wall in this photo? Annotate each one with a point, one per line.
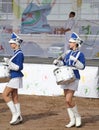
(34, 19)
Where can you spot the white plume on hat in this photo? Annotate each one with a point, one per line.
(76, 39)
(15, 39)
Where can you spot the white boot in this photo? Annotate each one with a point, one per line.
(77, 116)
(72, 118)
(17, 106)
(15, 115)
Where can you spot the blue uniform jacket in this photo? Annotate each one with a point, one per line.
(18, 59)
(71, 63)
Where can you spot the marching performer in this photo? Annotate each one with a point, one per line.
(75, 59)
(15, 65)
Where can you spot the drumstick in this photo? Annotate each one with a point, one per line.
(61, 57)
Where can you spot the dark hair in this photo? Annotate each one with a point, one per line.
(73, 13)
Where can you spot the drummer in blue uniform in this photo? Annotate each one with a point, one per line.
(15, 66)
(73, 58)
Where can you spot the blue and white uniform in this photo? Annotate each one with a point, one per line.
(68, 62)
(72, 63)
(15, 64)
(17, 59)
(16, 80)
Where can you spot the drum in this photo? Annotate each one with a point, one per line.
(64, 75)
(4, 72)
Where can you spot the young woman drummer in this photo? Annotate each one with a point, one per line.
(15, 65)
(75, 59)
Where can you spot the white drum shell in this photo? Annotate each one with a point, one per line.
(64, 75)
(4, 71)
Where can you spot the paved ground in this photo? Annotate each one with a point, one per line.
(49, 113)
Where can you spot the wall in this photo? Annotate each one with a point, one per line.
(40, 80)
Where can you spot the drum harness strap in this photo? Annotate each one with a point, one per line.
(15, 55)
(63, 55)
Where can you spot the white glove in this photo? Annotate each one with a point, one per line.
(73, 58)
(13, 66)
(55, 62)
(6, 60)
(58, 62)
